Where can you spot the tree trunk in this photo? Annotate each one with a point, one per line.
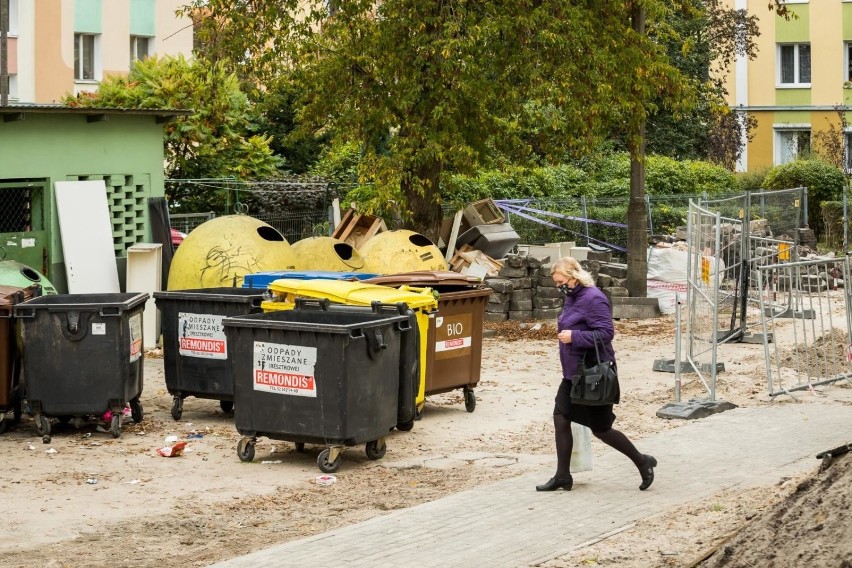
(422, 191)
(637, 215)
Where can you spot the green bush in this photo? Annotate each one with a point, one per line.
(514, 183)
(711, 178)
(832, 218)
(824, 182)
(751, 180)
(666, 176)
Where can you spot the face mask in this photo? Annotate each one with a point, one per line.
(566, 289)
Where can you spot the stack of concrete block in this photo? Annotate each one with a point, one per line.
(523, 290)
(609, 276)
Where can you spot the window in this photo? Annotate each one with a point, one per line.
(85, 57)
(791, 144)
(139, 48)
(847, 151)
(794, 64)
(13, 18)
(847, 55)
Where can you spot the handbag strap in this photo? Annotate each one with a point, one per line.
(597, 339)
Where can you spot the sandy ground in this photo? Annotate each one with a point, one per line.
(88, 499)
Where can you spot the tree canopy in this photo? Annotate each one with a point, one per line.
(215, 141)
(429, 88)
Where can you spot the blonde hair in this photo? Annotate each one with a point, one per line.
(570, 268)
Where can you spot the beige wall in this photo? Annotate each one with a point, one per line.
(174, 36)
(50, 31)
(54, 75)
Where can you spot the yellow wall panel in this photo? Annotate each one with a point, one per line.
(826, 53)
(760, 149)
(761, 71)
(792, 117)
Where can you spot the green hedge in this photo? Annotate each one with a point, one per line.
(824, 182)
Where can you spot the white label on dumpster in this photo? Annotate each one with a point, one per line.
(99, 328)
(285, 369)
(135, 337)
(202, 336)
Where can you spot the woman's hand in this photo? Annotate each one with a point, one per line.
(565, 336)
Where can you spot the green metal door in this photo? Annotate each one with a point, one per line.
(23, 235)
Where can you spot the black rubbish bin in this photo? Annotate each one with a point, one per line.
(10, 357)
(82, 356)
(316, 377)
(409, 353)
(196, 356)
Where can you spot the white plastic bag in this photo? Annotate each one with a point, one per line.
(581, 454)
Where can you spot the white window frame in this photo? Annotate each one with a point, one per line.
(847, 61)
(797, 82)
(13, 18)
(13, 87)
(97, 66)
(779, 144)
(134, 54)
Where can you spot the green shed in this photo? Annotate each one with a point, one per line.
(43, 144)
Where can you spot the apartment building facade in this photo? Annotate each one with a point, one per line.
(56, 47)
(799, 82)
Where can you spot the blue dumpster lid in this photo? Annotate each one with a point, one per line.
(262, 279)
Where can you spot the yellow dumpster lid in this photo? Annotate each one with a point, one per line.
(355, 293)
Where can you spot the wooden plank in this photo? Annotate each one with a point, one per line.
(335, 213)
(344, 224)
(454, 235)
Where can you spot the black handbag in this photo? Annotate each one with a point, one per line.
(595, 384)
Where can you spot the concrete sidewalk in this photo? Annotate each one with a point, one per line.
(509, 524)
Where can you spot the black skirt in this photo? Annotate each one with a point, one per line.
(596, 418)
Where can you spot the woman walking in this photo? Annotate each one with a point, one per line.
(586, 310)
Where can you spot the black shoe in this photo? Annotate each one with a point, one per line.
(647, 472)
(555, 483)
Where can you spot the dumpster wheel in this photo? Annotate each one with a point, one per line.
(376, 449)
(300, 447)
(136, 411)
(115, 425)
(326, 465)
(227, 406)
(177, 407)
(3, 422)
(245, 448)
(405, 426)
(42, 425)
(469, 400)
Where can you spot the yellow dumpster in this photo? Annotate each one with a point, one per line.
(400, 251)
(421, 301)
(327, 253)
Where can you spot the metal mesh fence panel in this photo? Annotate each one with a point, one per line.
(751, 221)
(297, 207)
(704, 273)
(185, 222)
(810, 345)
(784, 210)
(297, 225)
